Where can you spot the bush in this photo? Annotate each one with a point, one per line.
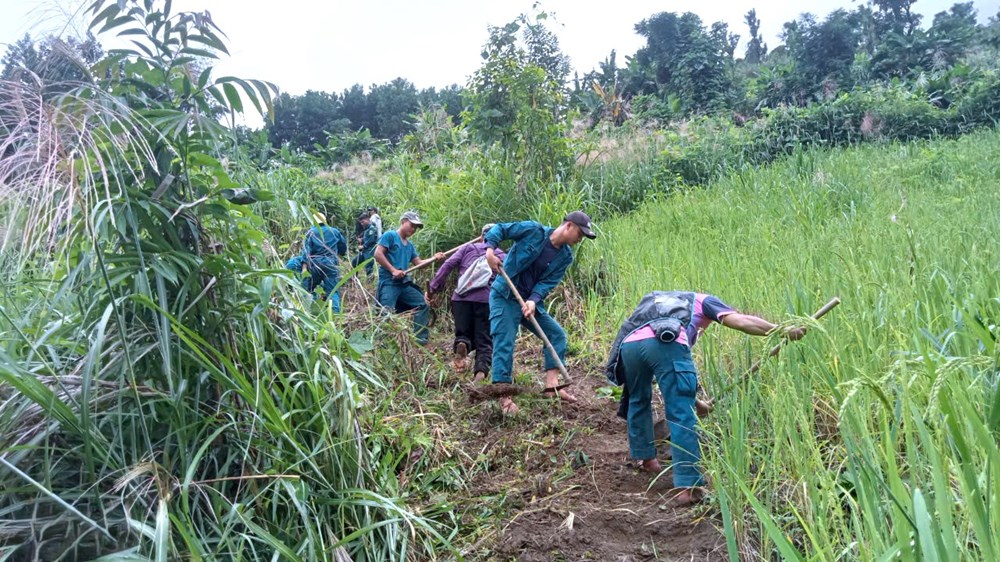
(707, 148)
(981, 107)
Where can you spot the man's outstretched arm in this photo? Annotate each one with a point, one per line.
(757, 326)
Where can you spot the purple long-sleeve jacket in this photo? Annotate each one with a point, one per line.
(463, 259)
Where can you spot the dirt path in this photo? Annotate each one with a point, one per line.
(564, 471)
(559, 473)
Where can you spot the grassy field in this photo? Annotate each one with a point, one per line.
(875, 437)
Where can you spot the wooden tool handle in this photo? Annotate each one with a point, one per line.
(534, 324)
(446, 254)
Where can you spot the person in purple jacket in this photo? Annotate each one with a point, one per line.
(470, 309)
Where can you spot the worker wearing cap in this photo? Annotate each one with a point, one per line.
(323, 246)
(396, 290)
(536, 263)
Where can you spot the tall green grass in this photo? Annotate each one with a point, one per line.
(166, 391)
(875, 437)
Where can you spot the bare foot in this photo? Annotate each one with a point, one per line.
(687, 497)
(478, 377)
(461, 353)
(703, 407)
(564, 394)
(651, 465)
(508, 407)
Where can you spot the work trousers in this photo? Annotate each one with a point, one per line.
(472, 327)
(403, 297)
(505, 318)
(361, 257)
(670, 365)
(325, 273)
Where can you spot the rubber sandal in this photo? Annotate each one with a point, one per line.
(556, 388)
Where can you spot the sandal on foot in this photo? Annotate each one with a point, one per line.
(556, 388)
(558, 392)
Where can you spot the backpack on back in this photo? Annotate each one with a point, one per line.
(477, 276)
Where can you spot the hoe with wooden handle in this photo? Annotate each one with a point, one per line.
(505, 390)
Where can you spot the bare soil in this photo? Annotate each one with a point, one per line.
(573, 493)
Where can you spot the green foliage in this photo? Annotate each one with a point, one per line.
(686, 61)
(895, 16)
(953, 33)
(60, 64)
(433, 133)
(873, 438)
(358, 107)
(712, 148)
(516, 100)
(449, 99)
(343, 146)
(825, 51)
(394, 103)
(756, 48)
(312, 120)
(980, 106)
(650, 108)
(903, 55)
(602, 95)
(307, 120)
(164, 395)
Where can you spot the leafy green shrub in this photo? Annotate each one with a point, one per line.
(981, 107)
(341, 147)
(703, 150)
(162, 394)
(707, 148)
(649, 107)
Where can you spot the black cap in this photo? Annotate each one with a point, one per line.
(579, 218)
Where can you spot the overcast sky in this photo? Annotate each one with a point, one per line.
(331, 44)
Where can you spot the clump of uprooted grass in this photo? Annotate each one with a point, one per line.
(873, 438)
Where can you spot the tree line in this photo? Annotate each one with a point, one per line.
(685, 68)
